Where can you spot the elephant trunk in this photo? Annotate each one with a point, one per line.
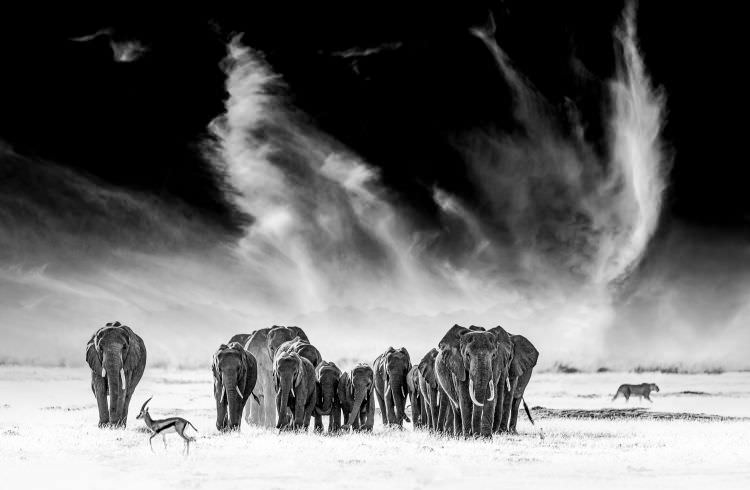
(327, 403)
(234, 404)
(481, 386)
(397, 388)
(282, 401)
(112, 366)
(359, 396)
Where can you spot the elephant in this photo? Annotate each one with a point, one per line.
(428, 389)
(295, 386)
(391, 368)
(277, 335)
(525, 357)
(470, 363)
(415, 397)
(235, 373)
(241, 338)
(303, 348)
(356, 397)
(263, 412)
(117, 358)
(327, 376)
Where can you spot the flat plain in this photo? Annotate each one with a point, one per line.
(695, 434)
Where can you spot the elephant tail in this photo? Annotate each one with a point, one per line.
(528, 412)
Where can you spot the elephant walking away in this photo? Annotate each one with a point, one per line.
(356, 396)
(391, 369)
(327, 376)
(235, 372)
(295, 386)
(117, 358)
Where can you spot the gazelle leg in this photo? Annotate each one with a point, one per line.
(164, 438)
(149, 441)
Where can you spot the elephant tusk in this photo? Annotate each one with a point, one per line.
(223, 394)
(473, 396)
(507, 382)
(293, 391)
(239, 392)
(122, 377)
(492, 391)
(104, 373)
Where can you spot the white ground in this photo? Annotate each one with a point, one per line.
(49, 438)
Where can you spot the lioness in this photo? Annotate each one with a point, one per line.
(642, 390)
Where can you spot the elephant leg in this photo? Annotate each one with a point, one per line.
(124, 420)
(269, 410)
(390, 406)
(299, 413)
(334, 421)
(442, 413)
(100, 391)
(507, 404)
(318, 422)
(454, 425)
(487, 418)
(514, 414)
(465, 408)
(476, 419)
(355, 423)
(381, 404)
(370, 421)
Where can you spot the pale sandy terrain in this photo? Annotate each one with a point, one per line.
(49, 438)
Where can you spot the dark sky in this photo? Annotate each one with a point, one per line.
(141, 124)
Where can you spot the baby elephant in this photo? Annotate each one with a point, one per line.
(327, 376)
(294, 383)
(356, 397)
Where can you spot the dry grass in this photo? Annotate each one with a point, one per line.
(48, 437)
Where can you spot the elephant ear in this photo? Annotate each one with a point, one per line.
(300, 371)
(92, 356)
(134, 361)
(504, 343)
(408, 358)
(452, 339)
(451, 343)
(251, 366)
(427, 368)
(215, 360)
(525, 355)
(300, 333)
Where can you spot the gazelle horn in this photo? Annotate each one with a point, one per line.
(145, 403)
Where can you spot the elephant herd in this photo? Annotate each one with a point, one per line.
(471, 384)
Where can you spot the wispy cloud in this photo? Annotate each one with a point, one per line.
(123, 51)
(359, 52)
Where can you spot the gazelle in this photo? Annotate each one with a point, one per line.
(164, 426)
